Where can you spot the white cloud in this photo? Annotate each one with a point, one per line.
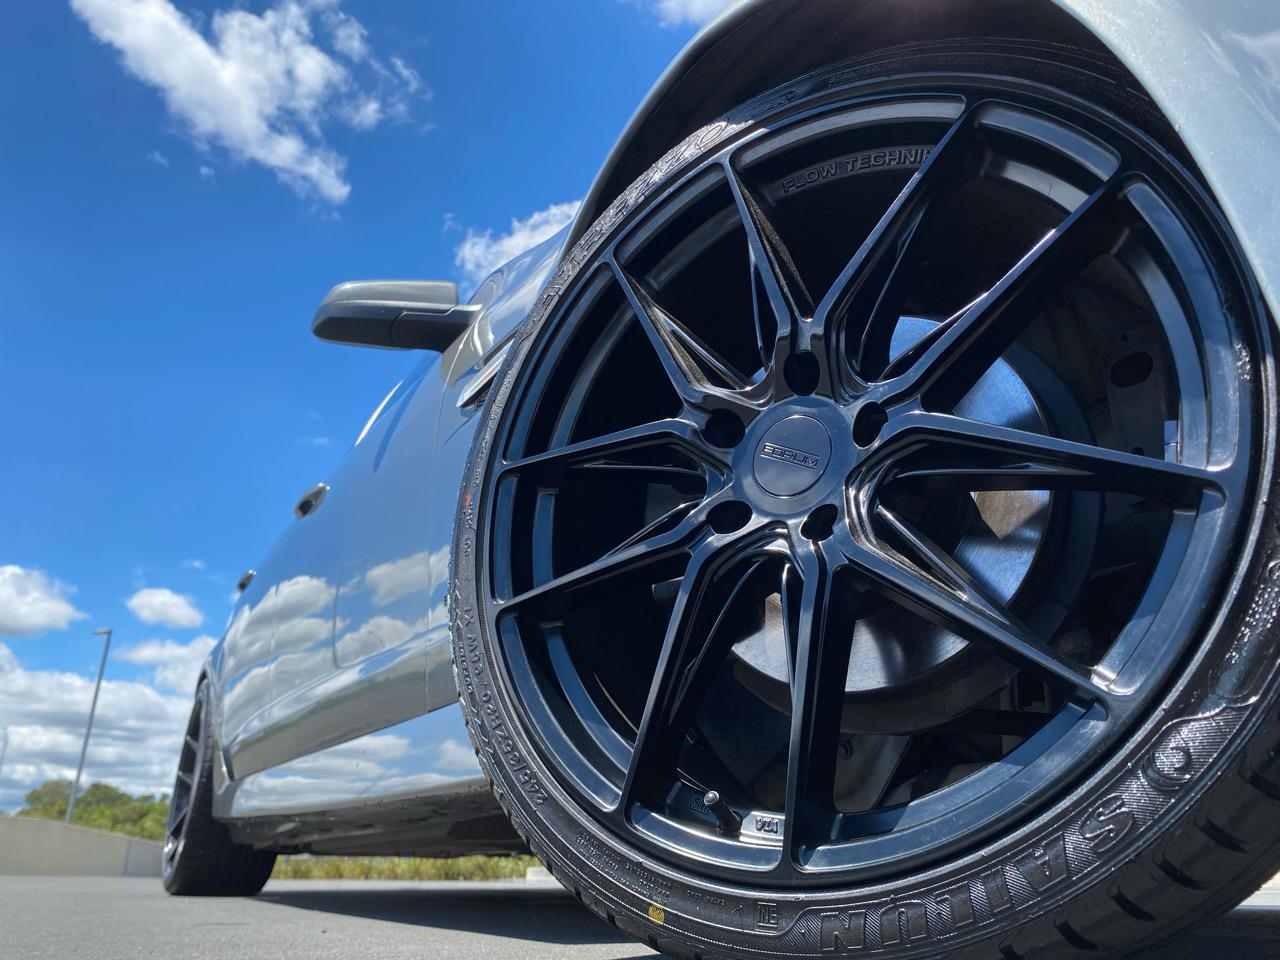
(479, 254)
(456, 755)
(176, 664)
(408, 76)
(396, 579)
(343, 773)
(373, 636)
(193, 564)
(136, 732)
(298, 611)
(207, 174)
(380, 749)
(349, 35)
(673, 13)
(259, 85)
(155, 156)
(297, 597)
(160, 605)
(31, 602)
(364, 113)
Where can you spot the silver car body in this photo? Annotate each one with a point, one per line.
(335, 709)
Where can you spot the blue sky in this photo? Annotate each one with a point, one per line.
(180, 182)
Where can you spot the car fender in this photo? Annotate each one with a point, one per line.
(1213, 68)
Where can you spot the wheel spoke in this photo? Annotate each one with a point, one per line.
(704, 355)
(791, 597)
(972, 455)
(646, 559)
(873, 282)
(665, 522)
(673, 433)
(688, 361)
(724, 576)
(904, 361)
(820, 632)
(660, 472)
(944, 593)
(973, 339)
(773, 273)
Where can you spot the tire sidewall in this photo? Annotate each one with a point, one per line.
(1129, 804)
(174, 874)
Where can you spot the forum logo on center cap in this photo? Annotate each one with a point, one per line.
(776, 451)
(792, 455)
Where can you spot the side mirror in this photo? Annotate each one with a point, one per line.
(400, 314)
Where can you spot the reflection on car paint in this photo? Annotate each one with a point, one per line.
(344, 634)
(428, 752)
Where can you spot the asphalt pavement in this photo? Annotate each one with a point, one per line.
(84, 918)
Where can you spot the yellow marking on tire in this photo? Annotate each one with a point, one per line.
(657, 914)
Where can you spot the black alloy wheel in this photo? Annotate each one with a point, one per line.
(862, 487)
(182, 800)
(199, 857)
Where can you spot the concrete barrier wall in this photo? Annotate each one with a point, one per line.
(53, 849)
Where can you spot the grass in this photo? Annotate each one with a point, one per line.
(306, 867)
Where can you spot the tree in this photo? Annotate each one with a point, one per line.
(103, 807)
(48, 800)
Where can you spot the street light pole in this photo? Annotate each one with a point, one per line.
(4, 747)
(88, 729)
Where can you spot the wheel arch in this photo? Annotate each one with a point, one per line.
(759, 44)
(223, 783)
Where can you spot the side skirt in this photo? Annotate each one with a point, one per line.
(412, 789)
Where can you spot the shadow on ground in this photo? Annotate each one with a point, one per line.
(1247, 933)
(547, 916)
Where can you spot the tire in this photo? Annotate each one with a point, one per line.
(200, 859)
(1169, 824)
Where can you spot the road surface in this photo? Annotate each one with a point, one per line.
(84, 918)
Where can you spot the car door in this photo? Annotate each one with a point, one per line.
(282, 628)
(392, 656)
(387, 615)
(344, 597)
(350, 606)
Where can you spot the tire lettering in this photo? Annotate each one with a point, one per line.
(907, 920)
(1044, 866)
(997, 890)
(766, 915)
(959, 901)
(843, 931)
(1107, 823)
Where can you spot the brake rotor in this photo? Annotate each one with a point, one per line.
(905, 673)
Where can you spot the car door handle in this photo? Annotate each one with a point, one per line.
(311, 500)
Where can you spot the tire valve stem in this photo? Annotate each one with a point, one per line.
(726, 819)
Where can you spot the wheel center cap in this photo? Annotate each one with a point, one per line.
(792, 455)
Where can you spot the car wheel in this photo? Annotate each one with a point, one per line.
(199, 857)
(865, 547)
